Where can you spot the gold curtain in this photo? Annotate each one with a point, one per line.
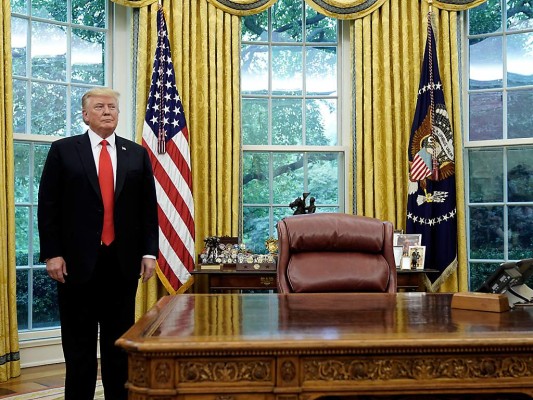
(206, 55)
(9, 346)
(388, 47)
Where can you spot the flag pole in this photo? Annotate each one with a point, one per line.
(430, 2)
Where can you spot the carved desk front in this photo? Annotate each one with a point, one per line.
(303, 346)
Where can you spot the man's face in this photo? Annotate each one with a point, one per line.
(101, 114)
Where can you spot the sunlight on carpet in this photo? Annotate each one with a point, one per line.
(53, 394)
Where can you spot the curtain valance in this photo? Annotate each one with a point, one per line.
(242, 7)
(341, 9)
(134, 3)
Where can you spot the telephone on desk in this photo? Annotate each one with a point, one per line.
(510, 279)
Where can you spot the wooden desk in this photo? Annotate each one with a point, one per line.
(230, 279)
(303, 346)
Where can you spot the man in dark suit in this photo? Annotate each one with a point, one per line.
(99, 232)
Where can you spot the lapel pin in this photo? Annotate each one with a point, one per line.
(123, 148)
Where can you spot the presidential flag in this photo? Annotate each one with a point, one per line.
(166, 138)
(431, 203)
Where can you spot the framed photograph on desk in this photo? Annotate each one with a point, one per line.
(417, 254)
(398, 252)
(407, 239)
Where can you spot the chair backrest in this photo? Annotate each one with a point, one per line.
(334, 252)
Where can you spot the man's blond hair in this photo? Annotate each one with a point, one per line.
(99, 91)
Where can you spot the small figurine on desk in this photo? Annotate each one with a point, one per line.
(415, 257)
(211, 245)
(301, 208)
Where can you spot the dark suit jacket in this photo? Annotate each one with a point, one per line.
(70, 211)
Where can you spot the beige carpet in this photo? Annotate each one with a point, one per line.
(52, 394)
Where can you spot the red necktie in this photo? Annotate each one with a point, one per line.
(107, 187)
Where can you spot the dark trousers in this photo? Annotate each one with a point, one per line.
(105, 302)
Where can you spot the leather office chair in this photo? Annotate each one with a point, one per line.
(333, 252)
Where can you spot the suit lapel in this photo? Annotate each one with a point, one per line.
(87, 160)
(122, 164)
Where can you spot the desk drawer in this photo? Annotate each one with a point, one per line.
(243, 282)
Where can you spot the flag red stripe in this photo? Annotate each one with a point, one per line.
(167, 271)
(166, 183)
(175, 241)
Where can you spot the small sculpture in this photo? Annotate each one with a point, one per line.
(299, 207)
(211, 245)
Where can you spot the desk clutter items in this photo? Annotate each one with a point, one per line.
(260, 262)
(227, 251)
(409, 254)
(509, 279)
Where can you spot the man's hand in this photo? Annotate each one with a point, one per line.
(147, 268)
(56, 268)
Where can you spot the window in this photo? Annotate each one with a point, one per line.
(59, 50)
(290, 116)
(499, 142)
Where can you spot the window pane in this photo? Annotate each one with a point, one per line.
(286, 122)
(486, 65)
(76, 117)
(255, 186)
(254, 69)
(485, 175)
(255, 125)
(520, 59)
(22, 172)
(48, 116)
(479, 273)
(256, 222)
(88, 52)
(35, 239)
(22, 224)
(319, 28)
(520, 233)
(288, 182)
(19, 106)
(287, 21)
(45, 308)
(255, 27)
(286, 70)
(321, 71)
(519, 15)
(48, 51)
(486, 116)
(520, 175)
(485, 18)
(39, 158)
(50, 9)
(321, 122)
(279, 214)
(519, 121)
(486, 233)
(19, 6)
(19, 45)
(324, 177)
(89, 13)
(22, 298)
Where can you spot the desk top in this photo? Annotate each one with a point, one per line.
(268, 323)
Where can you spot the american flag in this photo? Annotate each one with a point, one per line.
(431, 203)
(166, 138)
